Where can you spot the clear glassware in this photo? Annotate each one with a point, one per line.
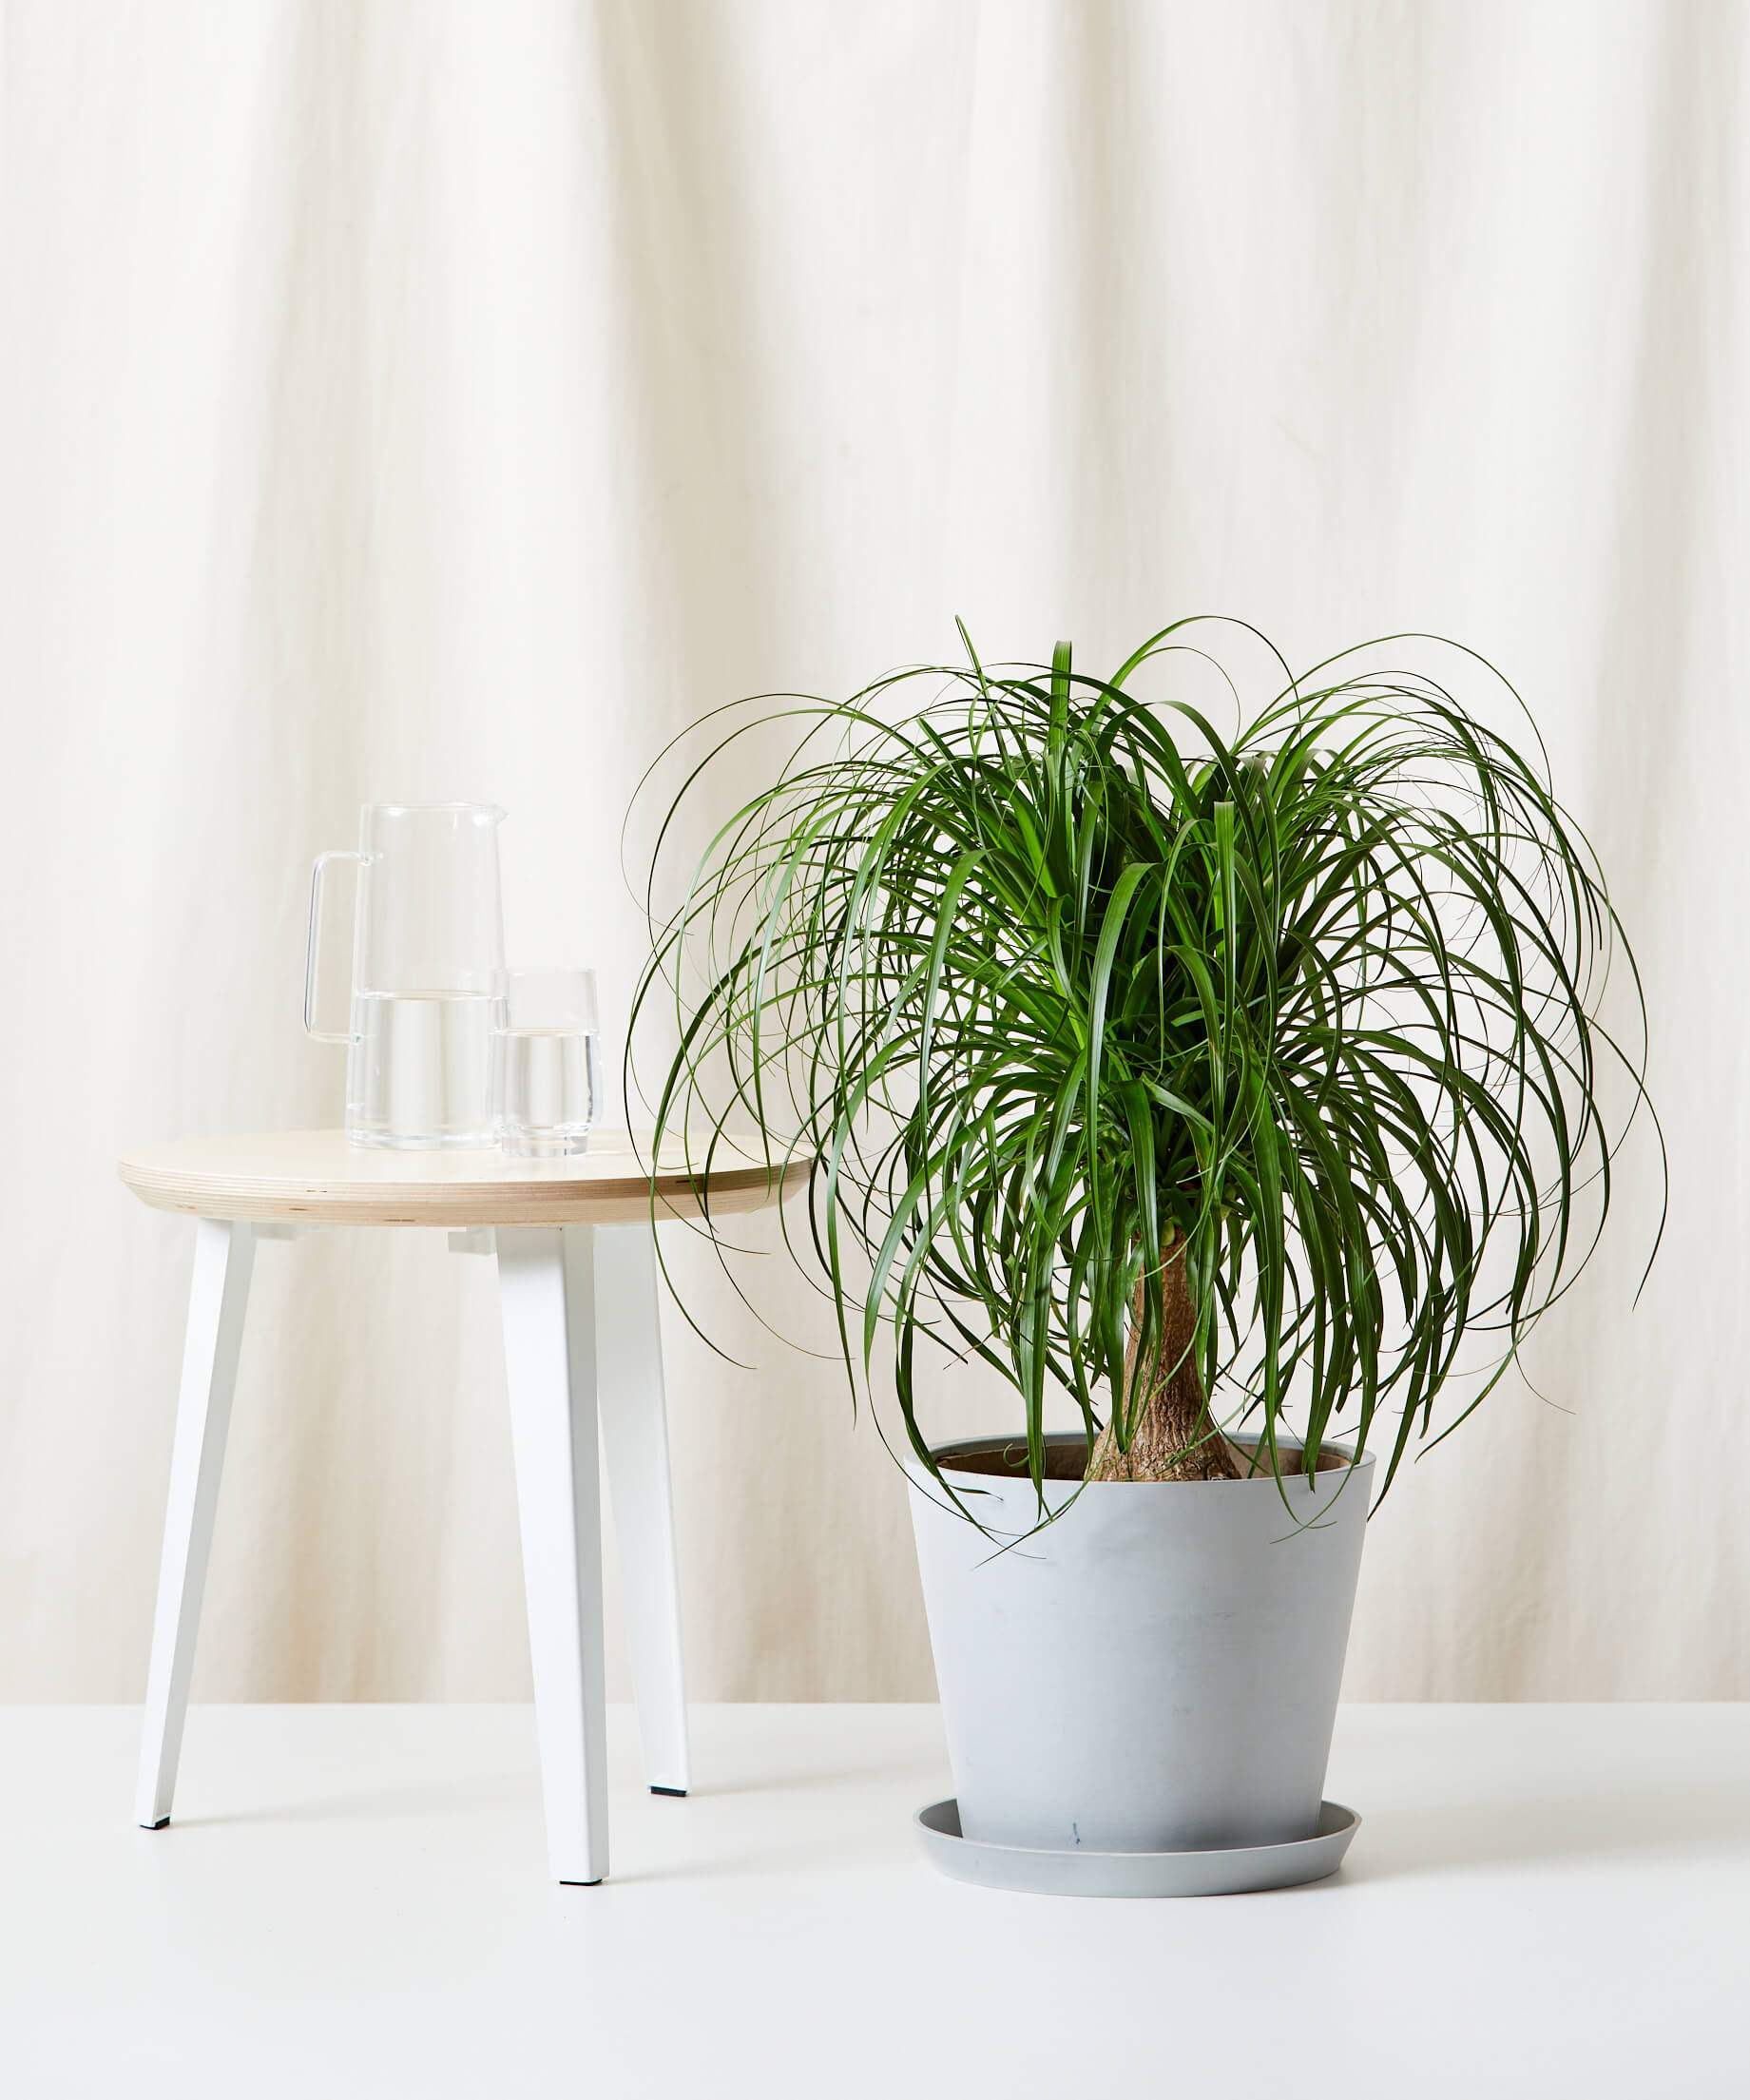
(547, 1064)
(428, 974)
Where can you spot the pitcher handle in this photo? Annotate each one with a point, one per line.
(312, 949)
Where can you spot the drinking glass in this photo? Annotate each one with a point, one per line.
(547, 1064)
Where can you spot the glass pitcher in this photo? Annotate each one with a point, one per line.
(428, 974)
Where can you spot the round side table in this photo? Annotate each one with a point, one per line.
(577, 1285)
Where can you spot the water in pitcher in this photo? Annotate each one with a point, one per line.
(420, 1071)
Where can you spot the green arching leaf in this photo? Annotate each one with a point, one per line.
(1046, 975)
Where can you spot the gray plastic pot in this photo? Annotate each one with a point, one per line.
(1157, 1670)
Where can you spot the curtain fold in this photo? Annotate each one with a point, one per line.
(427, 400)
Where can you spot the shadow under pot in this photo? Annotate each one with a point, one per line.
(1155, 1671)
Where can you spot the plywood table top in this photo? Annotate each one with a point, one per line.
(316, 1177)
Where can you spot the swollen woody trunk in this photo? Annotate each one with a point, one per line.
(1173, 1437)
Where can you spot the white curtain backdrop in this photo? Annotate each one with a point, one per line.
(416, 401)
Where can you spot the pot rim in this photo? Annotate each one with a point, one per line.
(1073, 1438)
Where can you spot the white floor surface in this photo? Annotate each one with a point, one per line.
(353, 1900)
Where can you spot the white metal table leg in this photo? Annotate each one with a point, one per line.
(546, 1294)
(218, 1294)
(635, 1434)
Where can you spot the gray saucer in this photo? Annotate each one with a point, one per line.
(1233, 1872)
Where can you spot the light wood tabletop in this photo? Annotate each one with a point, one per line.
(316, 1177)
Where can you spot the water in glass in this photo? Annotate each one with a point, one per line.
(550, 1090)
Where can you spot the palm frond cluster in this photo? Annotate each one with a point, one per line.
(1049, 977)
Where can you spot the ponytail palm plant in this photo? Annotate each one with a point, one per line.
(1222, 1076)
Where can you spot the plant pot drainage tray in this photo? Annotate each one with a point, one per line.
(1232, 1871)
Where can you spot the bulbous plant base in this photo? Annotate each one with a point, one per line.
(1171, 1434)
(1154, 1671)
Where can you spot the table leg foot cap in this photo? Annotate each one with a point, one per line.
(674, 1793)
